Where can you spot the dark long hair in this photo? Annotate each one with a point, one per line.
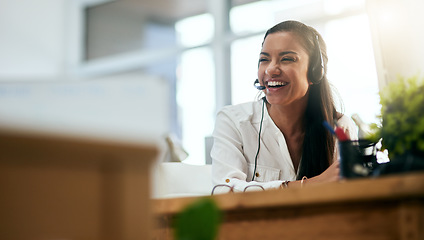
(318, 144)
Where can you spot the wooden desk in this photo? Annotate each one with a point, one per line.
(71, 187)
(384, 208)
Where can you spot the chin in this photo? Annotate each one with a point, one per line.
(274, 100)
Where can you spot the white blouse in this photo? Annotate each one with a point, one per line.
(235, 146)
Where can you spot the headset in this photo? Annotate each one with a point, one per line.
(316, 73)
(259, 138)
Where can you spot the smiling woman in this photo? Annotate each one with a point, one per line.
(283, 67)
(346, 29)
(287, 122)
(351, 69)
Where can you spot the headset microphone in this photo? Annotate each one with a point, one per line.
(259, 87)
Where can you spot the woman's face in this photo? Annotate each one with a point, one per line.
(283, 68)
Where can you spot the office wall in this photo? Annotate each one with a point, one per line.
(132, 105)
(32, 39)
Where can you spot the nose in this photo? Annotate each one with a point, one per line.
(273, 70)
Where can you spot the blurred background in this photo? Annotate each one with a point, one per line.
(150, 69)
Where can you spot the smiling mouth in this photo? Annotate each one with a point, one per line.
(275, 84)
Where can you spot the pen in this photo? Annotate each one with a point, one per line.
(327, 125)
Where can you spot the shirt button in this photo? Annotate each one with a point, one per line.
(257, 174)
(227, 180)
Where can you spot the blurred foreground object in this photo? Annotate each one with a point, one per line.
(57, 186)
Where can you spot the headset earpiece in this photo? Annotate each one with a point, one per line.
(317, 70)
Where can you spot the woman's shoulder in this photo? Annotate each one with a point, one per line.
(343, 120)
(242, 108)
(242, 111)
(348, 125)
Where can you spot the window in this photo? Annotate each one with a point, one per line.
(352, 67)
(244, 62)
(195, 86)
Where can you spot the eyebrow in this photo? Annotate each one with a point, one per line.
(280, 54)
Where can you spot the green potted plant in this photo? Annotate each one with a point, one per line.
(402, 123)
(200, 220)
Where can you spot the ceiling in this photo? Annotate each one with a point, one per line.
(170, 10)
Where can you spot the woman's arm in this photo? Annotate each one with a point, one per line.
(332, 173)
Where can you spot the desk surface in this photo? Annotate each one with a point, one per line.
(390, 187)
(389, 207)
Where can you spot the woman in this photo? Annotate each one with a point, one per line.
(280, 140)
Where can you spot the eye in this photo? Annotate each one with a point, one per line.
(263, 60)
(288, 59)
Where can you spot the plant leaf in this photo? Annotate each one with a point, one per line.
(199, 221)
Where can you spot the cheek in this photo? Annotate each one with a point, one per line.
(302, 74)
(300, 78)
(261, 71)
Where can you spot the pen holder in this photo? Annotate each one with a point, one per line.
(357, 158)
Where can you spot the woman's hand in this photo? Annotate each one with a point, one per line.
(331, 174)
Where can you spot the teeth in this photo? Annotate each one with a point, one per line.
(274, 83)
